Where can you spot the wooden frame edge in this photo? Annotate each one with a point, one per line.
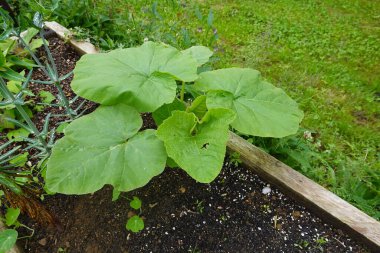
(82, 47)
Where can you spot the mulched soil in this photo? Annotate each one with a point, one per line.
(232, 214)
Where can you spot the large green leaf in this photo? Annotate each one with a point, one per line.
(143, 77)
(200, 53)
(198, 106)
(166, 110)
(261, 109)
(196, 146)
(8, 238)
(105, 147)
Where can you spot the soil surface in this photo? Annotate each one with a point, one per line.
(65, 58)
(238, 212)
(229, 215)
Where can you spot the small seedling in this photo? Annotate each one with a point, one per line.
(135, 223)
(235, 159)
(135, 203)
(303, 244)
(200, 206)
(223, 218)
(321, 241)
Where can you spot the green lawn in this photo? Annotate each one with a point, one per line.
(324, 53)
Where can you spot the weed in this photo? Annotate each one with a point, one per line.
(200, 206)
(235, 159)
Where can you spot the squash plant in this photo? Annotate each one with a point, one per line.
(108, 147)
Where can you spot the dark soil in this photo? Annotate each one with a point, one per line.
(65, 58)
(232, 214)
(229, 215)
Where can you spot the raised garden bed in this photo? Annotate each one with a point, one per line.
(232, 214)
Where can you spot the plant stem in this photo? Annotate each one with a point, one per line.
(55, 78)
(27, 236)
(24, 115)
(51, 72)
(182, 94)
(49, 55)
(35, 58)
(63, 99)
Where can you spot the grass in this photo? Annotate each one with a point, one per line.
(325, 54)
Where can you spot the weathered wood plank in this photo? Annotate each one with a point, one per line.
(82, 47)
(314, 196)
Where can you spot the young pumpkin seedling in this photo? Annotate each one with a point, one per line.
(135, 223)
(107, 146)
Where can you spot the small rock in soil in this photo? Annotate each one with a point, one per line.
(43, 241)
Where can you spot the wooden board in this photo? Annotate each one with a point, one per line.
(323, 202)
(82, 47)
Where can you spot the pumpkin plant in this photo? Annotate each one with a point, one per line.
(108, 147)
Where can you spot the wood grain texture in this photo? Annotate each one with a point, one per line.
(81, 47)
(314, 196)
